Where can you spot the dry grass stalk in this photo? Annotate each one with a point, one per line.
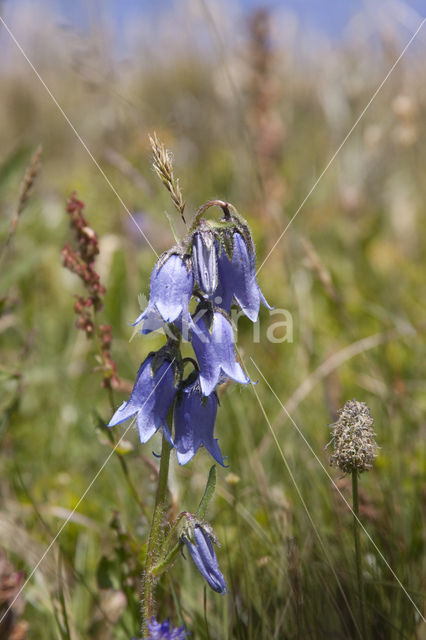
(163, 167)
(264, 120)
(26, 186)
(29, 179)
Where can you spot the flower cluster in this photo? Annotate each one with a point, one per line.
(353, 438)
(215, 265)
(193, 286)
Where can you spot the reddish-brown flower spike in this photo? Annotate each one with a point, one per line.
(81, 261)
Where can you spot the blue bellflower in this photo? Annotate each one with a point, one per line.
(170, 293)
(203, 555)
(237, 278)
(194, 418)
(204, 260)
(215, 352)
(150, 400)
(164, 631)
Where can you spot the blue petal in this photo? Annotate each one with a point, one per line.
(171, 288)
(238, 279)
(150, 400)
(246, 291)
(132, 406)
(150, 318)
(194, 418)
(225, 349)
(123, 413)
(202, 343)
(164, 631)
(163, 393)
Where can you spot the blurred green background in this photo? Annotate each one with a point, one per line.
(253, 109)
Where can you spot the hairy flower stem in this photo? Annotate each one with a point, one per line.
(155, 535)
(358, 553)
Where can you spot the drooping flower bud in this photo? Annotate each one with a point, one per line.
(203, 555)
(204, 259)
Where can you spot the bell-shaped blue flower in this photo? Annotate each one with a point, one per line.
(171, 290)
(215, 351)
(150, 400)
(204, 260)
(164, 631)
(237, 278)
(194, 418)
(203, 555)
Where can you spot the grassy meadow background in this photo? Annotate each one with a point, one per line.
(253, 109)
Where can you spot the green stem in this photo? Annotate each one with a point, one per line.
(358, 553)
(155, 535)
(206, 622)
(174, 526)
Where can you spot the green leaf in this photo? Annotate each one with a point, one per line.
(208, 493)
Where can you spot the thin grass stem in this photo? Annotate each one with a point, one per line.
(358, 560)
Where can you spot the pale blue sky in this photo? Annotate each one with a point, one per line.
(330, 16)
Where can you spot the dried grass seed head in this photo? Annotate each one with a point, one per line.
(353, 438)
